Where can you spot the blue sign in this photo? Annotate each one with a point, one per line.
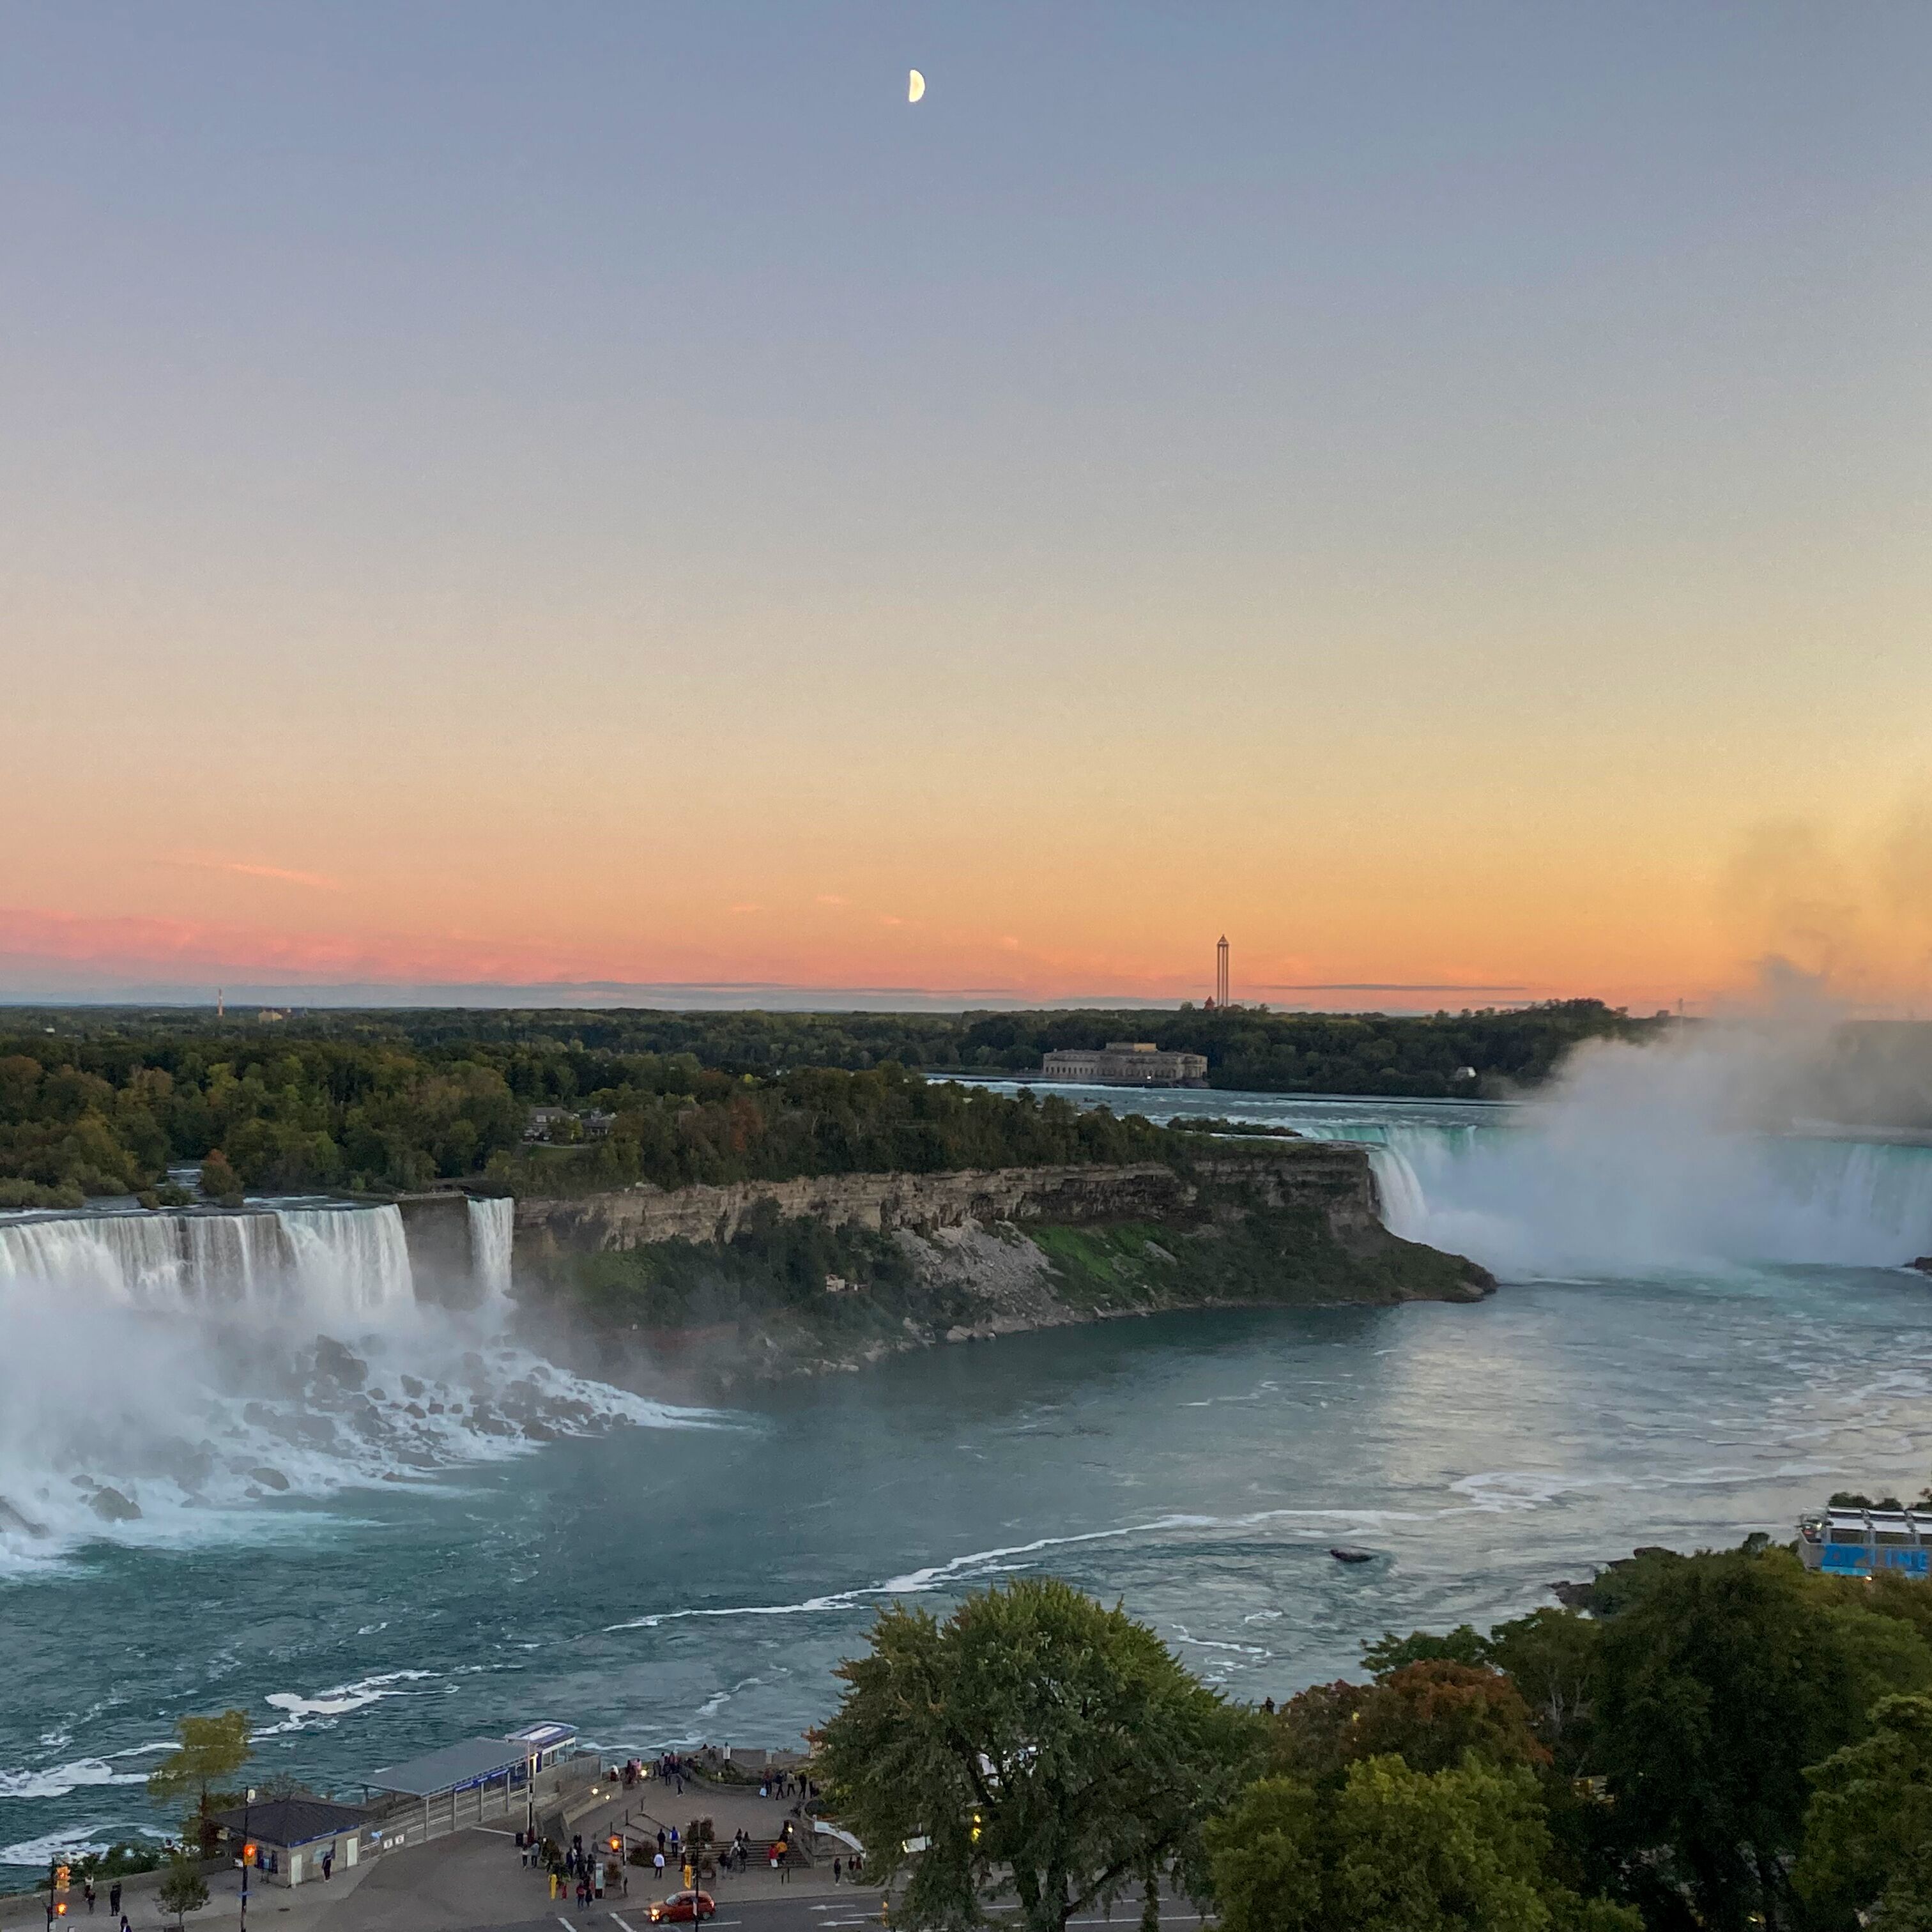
(1860, 1559)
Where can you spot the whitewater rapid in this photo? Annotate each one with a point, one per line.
(166, 1375)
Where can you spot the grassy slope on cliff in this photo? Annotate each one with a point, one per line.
(800, 1289)
(1277, 1255)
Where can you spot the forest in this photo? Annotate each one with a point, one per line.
(102, 1101)
(109, 1113)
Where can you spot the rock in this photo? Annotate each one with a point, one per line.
(411, 1387)
(270, 1479)
(1923, 1265)
(12, 1519)
(335, 1363)
(111, 1506)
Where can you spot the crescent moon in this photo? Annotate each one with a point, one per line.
(916, 85)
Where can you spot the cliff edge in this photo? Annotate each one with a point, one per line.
(765, 1279)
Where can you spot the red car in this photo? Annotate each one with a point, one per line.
(684, 1907)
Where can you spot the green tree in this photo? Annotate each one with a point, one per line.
(211, 1749)
(1550, 1656)
(1465, 1644)
(183, 1890)
(1034, 1739)
(1720, 1685)
(1868, 1830)
(1268, 1858)
(219, 1180)
(1394, 1849)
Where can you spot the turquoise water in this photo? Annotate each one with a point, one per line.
(683, 1576)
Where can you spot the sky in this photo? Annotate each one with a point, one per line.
(614, 497)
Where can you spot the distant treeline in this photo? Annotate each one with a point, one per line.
(103, 1108)
(101, 1101)
(1247, 1048)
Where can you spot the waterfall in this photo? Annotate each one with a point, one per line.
(355, 1264)
(492, 1224)
(337, 1262)
(1564, 1191)
(232, 1257)
(138, 1259)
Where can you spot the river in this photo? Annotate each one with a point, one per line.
(1684, 1349)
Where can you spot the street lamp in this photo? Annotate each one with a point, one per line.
(247, 1852)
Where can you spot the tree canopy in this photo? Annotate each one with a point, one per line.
(1034, 1739)
(210, 1750)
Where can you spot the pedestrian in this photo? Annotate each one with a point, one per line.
(838, 1870)
(123, 1926)
(660, 1837)
(658, 1868)
(328, 1863)
(88, 1893)
(114, 1898)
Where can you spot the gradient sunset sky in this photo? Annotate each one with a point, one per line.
(506, 495)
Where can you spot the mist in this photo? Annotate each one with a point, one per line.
(1787, 1140)
(162, 1374)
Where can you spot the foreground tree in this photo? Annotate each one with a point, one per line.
(1868, 1832)
(1394, 1849)
(183, 1890)
(1720, 1685)
(212, 1750)
(1034, 1739)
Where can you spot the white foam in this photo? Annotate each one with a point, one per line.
(58, 1780)
(341, 1698)
(78, 1839)
(1009, 1559)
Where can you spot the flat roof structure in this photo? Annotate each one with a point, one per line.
(475, 1761)
(290, 1822)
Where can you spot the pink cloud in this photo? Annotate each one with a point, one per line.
(247, 870)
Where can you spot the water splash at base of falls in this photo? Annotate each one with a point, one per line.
(166, 1374)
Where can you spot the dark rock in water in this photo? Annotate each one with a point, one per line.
(1923, 1265)
(335, 1363)
(111, 1506)
(190, 1466)
(1342, 1553)
(23, 1526)
(411, 1387)
(1573, 1596)
(540, 1432)
(270, 1479)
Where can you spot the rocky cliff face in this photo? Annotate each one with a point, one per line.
(688, 1275)
(1324, 1174)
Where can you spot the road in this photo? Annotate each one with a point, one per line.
(809, 1914)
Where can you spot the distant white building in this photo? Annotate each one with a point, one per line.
(1125, 1063)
